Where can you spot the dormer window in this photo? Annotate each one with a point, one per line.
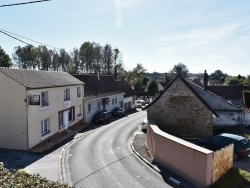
(67, 94)
(44, 98)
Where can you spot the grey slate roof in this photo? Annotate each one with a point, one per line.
(210, 100)
(99, 85)
(33, 79)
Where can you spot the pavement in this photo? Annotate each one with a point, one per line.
(49, 163)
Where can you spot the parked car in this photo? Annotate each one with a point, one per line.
(118, 112)
(241, 144)
(102, 116)
(139, 103)
(144, 125)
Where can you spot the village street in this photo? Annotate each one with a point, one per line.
(103, 158)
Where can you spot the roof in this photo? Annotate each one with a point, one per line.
(210, 100)
(99, 85)
(228, 92)
(125, 86)
(34, 79)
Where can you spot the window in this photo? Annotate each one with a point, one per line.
(45, 98)
(133, 100)
(78, 92)
(45, 127)
(66, 94)
(116, 100)
(99, 105)
(89, 107)
(113, 101)
(79, 111)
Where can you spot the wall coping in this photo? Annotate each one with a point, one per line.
(185, 143)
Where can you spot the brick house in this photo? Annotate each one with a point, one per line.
(100, 93)
(36, 105)
(185, 109)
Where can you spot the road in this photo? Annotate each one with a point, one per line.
(103, 158)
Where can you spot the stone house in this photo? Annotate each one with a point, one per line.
(37, 105)
(100, 93)
(129, 97)
(185, 109)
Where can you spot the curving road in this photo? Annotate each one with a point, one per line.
(102, 158)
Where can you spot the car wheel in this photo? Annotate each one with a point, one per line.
(235, 156)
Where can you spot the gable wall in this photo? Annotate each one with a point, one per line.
(179, 112)
(13, 114)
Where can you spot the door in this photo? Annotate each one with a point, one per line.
(66, 119)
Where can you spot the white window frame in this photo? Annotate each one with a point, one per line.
(45, 128)
(44, 99)
(78, 91)
(98, 105)
(66, 94)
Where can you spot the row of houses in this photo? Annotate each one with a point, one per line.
(39, 105)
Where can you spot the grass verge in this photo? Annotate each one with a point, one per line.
(235, 177)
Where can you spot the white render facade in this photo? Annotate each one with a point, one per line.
(94, 105)
(31, 115)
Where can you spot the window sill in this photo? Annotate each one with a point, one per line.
(46, 135)
(44, 107)
(62, 126)
(79, 116)
(79, 97)
(68, 99)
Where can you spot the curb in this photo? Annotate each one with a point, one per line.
(62, 171)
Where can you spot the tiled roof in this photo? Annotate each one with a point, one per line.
(33, 79)
(228, 92)
(125, 86)
(211, 101)
(96, 85)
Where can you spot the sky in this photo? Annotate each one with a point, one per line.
(202, 34)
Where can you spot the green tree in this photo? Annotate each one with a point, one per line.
(233, 81)
(152, 86)
(138, 85)
(5, 60)
(139, 71)
(185, 70)
(218, 75)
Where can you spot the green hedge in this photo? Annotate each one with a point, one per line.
(21, 179)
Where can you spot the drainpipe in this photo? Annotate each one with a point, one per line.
(27, 104)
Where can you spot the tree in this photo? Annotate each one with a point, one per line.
(233, 81)
(218, 75)
(107, 53)
(138, 85)
(139, 71)
(152, 86)
(5, 60)
(185, 70)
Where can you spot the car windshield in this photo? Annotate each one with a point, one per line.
(244, 142)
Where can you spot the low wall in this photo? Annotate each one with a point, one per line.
(188, 160)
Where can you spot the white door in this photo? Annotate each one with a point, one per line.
(66, 119)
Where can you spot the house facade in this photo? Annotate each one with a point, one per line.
(185, 109)
(100, 93)
(37, 105)
(129, 97)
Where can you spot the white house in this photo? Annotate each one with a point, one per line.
(100, 93)
(35, 105)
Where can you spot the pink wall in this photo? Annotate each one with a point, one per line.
(184, 158)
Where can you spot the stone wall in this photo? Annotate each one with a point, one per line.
(179, 112)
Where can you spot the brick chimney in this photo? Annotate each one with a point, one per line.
(205, 80)
(179, 71)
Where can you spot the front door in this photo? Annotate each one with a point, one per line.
(66, 119)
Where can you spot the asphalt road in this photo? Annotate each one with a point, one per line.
(102, 158)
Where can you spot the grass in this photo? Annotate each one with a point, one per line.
(234, 178)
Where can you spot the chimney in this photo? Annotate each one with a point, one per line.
(205, 80)
(179, 71)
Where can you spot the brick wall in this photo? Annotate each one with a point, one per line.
(179, 112)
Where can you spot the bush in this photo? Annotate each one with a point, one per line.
(21, 178)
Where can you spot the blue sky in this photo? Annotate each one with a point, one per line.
(202, 34)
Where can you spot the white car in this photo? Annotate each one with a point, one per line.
(139, 103)
(144, 125)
